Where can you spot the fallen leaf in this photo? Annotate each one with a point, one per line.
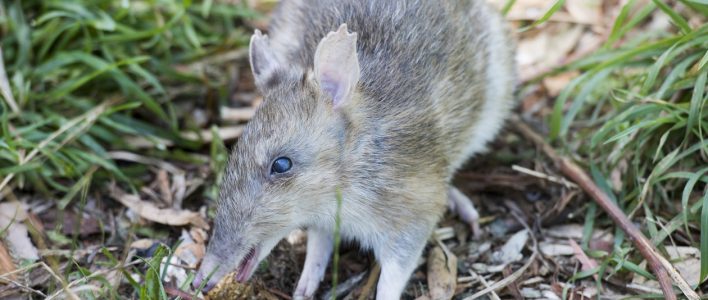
(442, 274)
(550, 295)
(575, 231)
(142, 243)
(179, 189)
(555, 249)
(7, 265)
(686, 260)
(511, 251)
(547, 49)
(16, 237)
(587, 262)
(528, 292)
(585, 11)
(72, 223)
(555, 84)
(173, 271)
(532, 10)
(167, 216)
(189, 251)
(199, 235)
(163, 183)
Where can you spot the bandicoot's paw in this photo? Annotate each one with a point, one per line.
(307, 286)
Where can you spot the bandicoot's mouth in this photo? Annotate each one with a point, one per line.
(247, 265)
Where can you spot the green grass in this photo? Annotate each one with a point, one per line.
(85, 75)
(81, 78)
(640, 108)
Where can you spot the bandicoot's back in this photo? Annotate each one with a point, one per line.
(441, 65)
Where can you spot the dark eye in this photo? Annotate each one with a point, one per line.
(281, 165)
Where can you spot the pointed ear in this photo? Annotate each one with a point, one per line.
(337, 65)
(262, 58)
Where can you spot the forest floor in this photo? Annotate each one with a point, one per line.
(99, 193)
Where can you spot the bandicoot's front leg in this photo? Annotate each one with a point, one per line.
(319, 250)
(399, 258)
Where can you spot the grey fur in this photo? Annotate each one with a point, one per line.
(437, 81)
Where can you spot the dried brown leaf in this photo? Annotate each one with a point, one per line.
(7, 265)
(555, 84)
(17, 239)
(587, 262)
(585, 11)
(442, 274)
(511, 251)
(163, 183)
(149, 211)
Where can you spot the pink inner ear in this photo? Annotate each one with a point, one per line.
(333, 87)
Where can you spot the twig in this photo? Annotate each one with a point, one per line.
(279, 294)
(544, 176)
(65, 286)
(344, 287)
(237, 114)
(23, 287)
(175, 292)
(489, 288)
(225, 133)
(659, 265)
(369, 286)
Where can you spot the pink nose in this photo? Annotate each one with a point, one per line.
(199, 280)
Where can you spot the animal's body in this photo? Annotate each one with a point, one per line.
(385, 109)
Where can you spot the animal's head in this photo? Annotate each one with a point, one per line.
(283, 173)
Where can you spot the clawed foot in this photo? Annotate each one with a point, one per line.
(319, 249)
(465, 209)
(307, 286)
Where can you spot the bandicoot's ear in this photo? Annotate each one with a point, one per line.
(262, 58)
(337, 65)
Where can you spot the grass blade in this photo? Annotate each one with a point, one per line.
(704, 239)
(556, 6)
(675, 17)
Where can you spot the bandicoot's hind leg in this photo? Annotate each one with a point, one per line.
(319, 249)
(459, 203)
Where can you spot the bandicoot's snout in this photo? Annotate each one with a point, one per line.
(199, 280)
(214, 267)
(207, 268)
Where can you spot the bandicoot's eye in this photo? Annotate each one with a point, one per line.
(281, 165)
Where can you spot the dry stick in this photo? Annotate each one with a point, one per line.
(369, 286)
(659, 265)
(280, 294)
(175, 292)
